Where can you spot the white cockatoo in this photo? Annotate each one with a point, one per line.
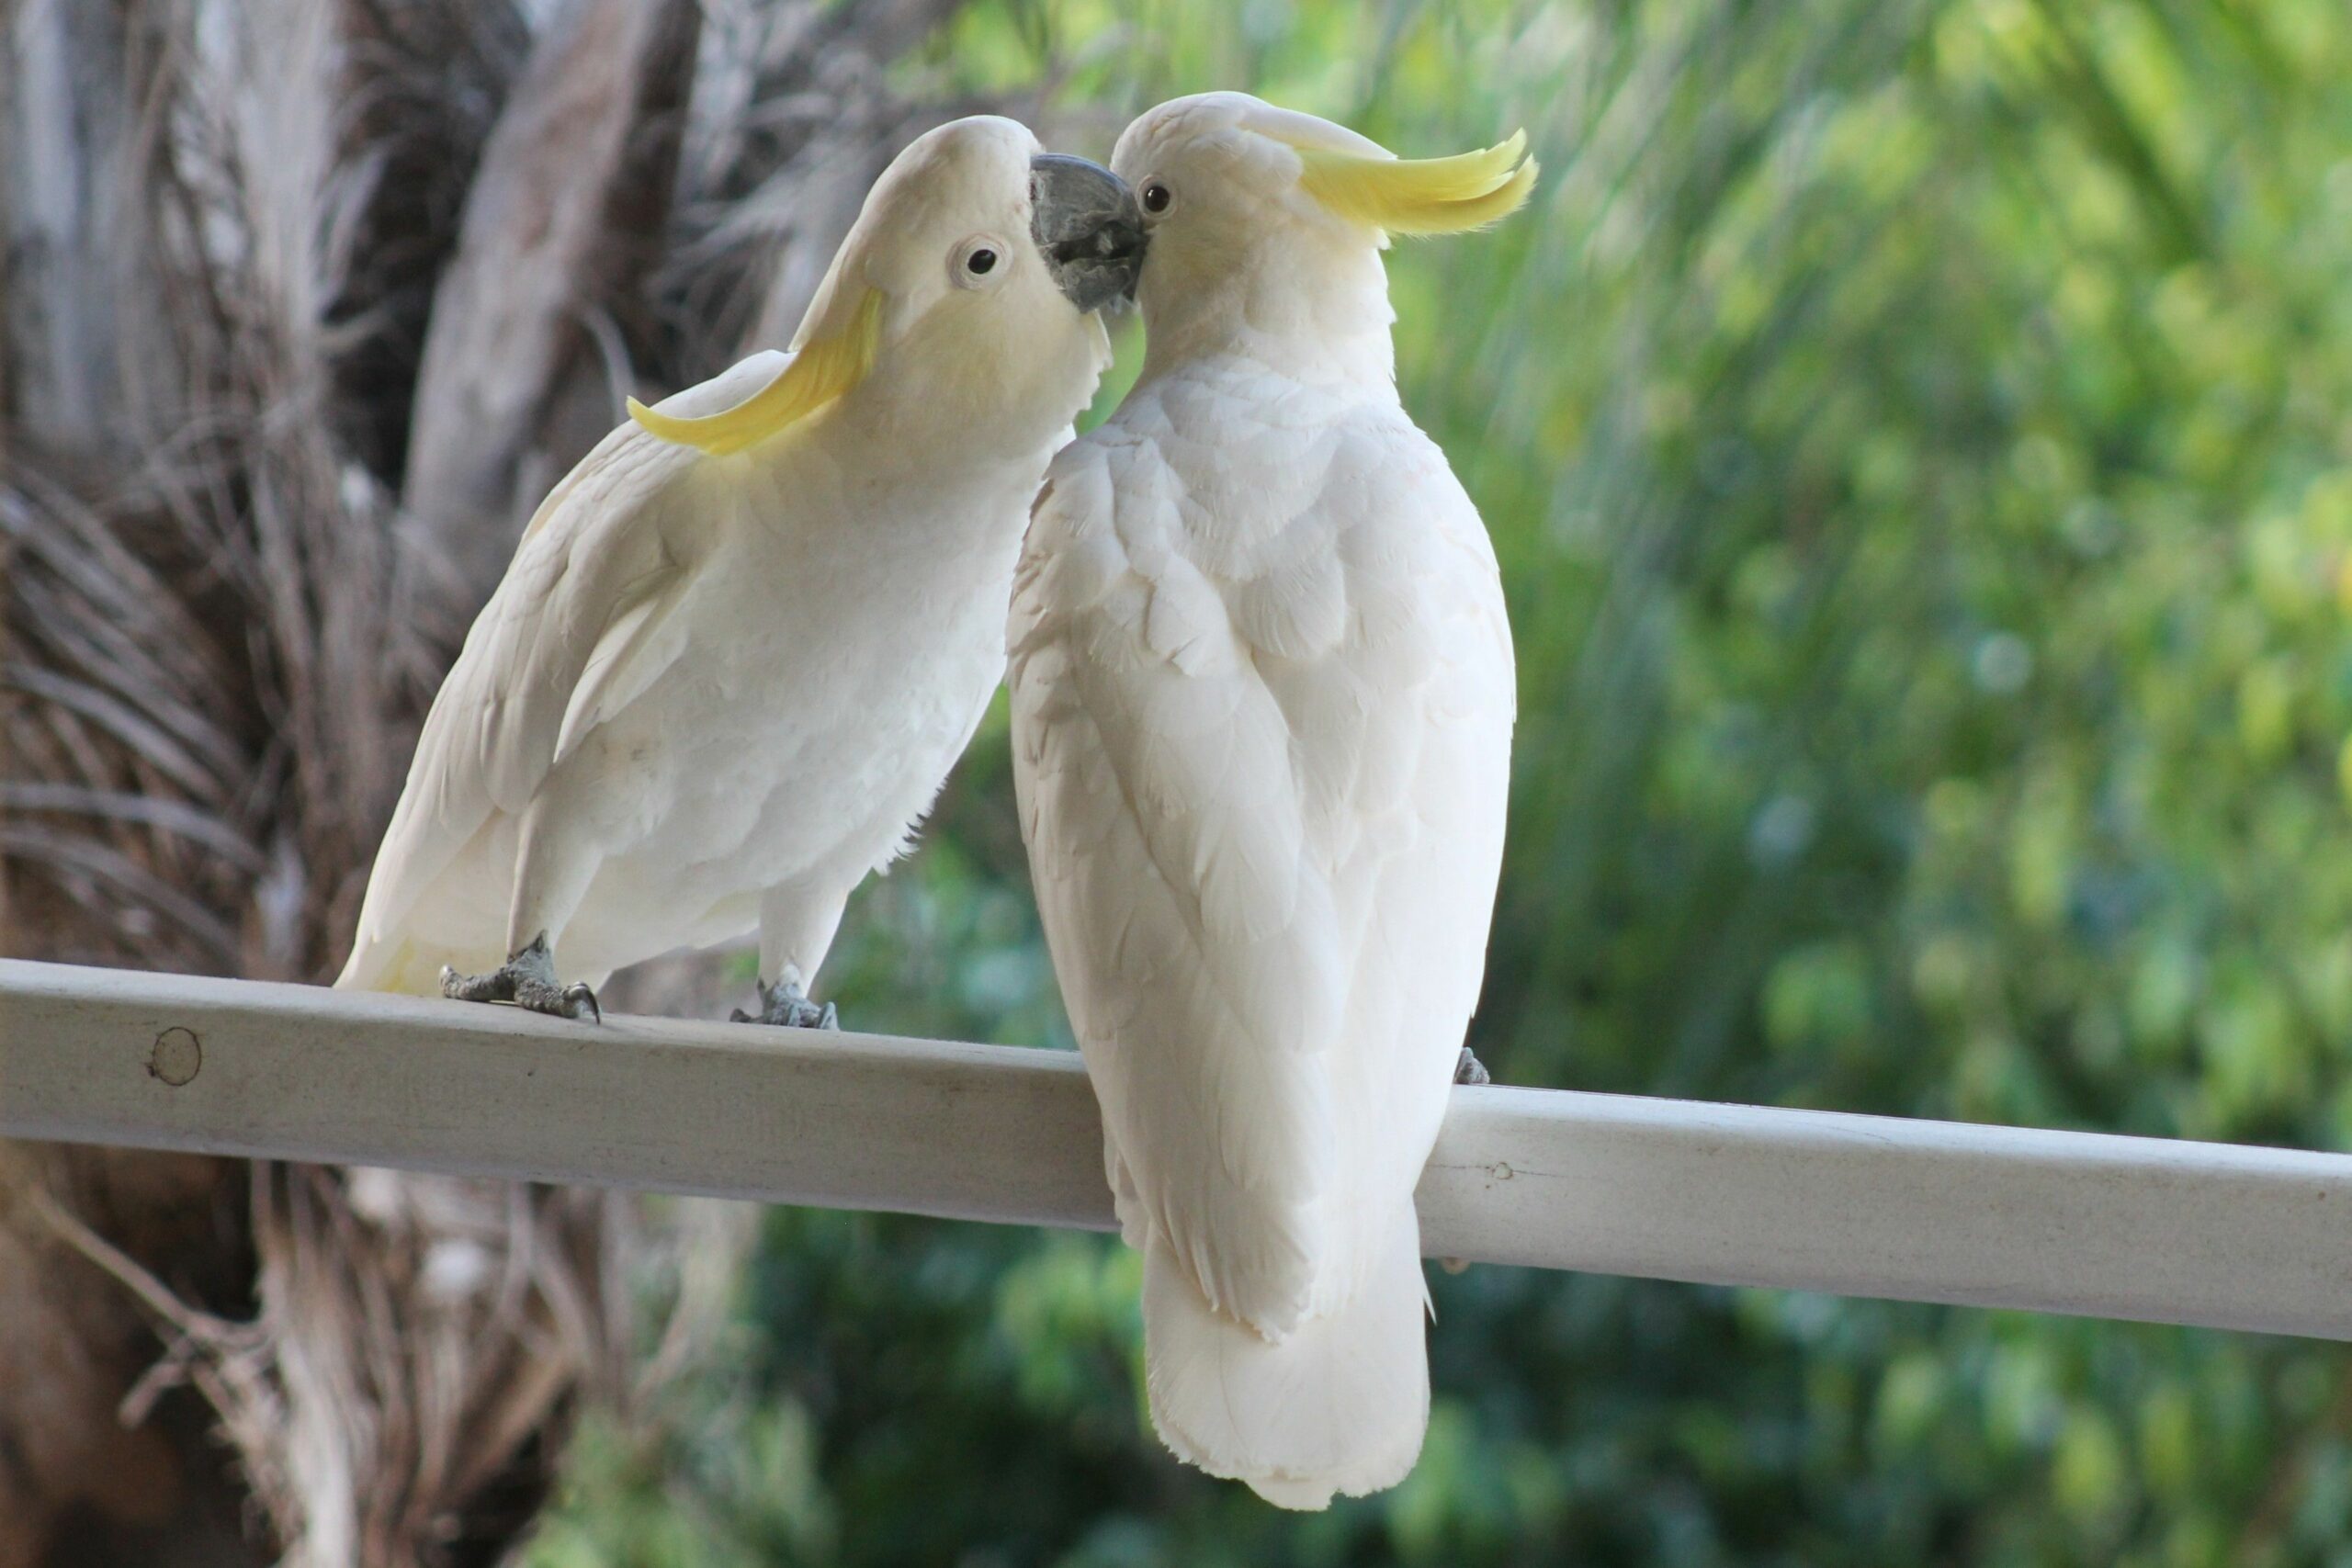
(1262, 698)
(741, 644)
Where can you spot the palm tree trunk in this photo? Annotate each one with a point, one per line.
(304, 306)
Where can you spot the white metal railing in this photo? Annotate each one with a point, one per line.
(2153, 1229)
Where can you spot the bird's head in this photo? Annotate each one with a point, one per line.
(1245, 200)
(970, 285)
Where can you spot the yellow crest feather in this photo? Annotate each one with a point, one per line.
(1421, 196)
(822, 370)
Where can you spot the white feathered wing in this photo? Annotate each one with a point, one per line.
(1262, 699)
(583, 623)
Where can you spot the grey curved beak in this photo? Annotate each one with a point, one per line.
(1087, 227)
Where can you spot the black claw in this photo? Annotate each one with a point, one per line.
(576, 994)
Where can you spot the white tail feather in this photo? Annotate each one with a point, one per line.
(1340, 1404)
(377, 965)
(402, 966)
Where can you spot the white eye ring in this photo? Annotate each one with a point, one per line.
(982, 262)
(1156, 199)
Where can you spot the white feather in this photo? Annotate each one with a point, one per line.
(712, 689)
(1261, 719)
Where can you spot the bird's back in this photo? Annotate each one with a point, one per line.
(1263, 697)
(602, 550)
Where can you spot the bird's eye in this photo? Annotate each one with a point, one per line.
(981, 262)
(1157, 198)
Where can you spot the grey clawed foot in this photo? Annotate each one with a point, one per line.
(528, 979)
(786, 1005)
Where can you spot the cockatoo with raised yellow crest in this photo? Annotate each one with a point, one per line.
(1262, 705)
(741, 644)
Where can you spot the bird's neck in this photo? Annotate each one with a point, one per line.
(1326, 324)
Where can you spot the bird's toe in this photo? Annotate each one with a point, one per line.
(786, 1006)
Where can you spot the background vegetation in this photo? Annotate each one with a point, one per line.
(1919, 437)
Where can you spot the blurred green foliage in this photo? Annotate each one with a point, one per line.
(1918, 438)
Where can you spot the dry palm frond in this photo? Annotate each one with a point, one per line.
(235, 232)
(209, 635)
(792, 119)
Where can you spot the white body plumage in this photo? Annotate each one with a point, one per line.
(1263, 701)
(718, 687)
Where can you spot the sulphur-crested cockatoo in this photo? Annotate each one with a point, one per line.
(741, 644)
(1262, 705)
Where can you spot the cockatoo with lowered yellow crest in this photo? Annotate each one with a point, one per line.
(741, 644)
(1262, 705)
